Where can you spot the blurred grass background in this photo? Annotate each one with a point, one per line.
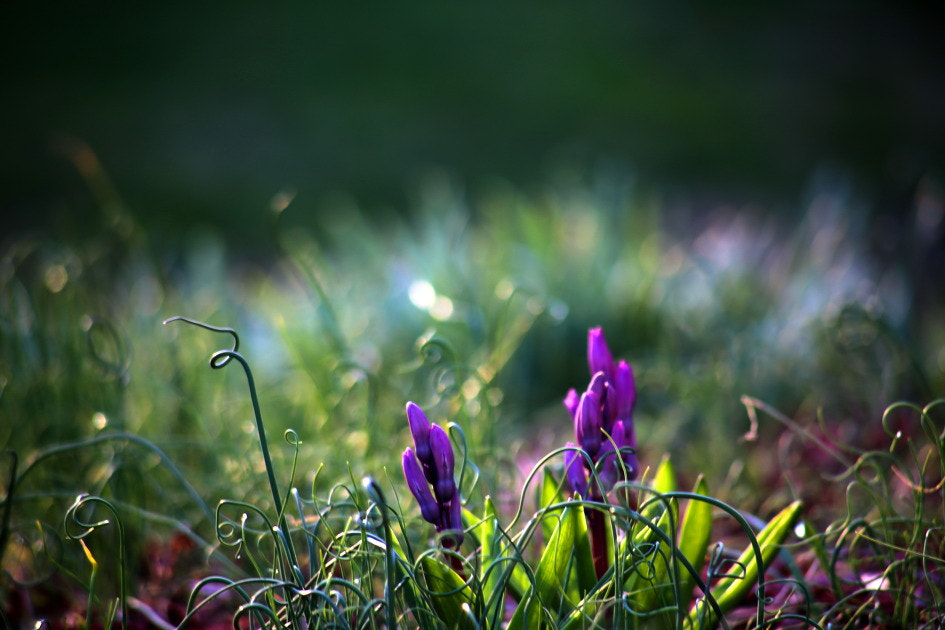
(430, 202)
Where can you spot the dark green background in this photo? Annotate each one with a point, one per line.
(201, 112)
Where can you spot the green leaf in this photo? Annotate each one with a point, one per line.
(694, 538)
(450, 596)
(551, 576)
(730, 591)
(665, 479)
(586, 576)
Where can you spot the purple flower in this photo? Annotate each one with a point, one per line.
(588, 422)
(599, 357)
(442, 453)
(420, 430)
(571, 401)
(574, 470)
(416, 481)
(625, 391)
(615, 456)
(598, 385)
(607, 462)
(605, 409)
(441, 506)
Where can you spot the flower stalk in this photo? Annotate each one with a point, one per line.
(603, 428)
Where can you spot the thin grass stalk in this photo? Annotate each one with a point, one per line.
(72, 515)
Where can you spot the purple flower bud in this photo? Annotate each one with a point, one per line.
(618, 434)
(608, 471)
(598, 385)
(420, 430)
(599, 357)
(625, 391)
(609, 408)
(442, 453)
(417, 483)
(574, 470)
(588, 423)
(611, 467)
(571, 401)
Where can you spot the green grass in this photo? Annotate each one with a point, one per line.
(477, 310)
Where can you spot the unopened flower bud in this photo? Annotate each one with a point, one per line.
(611, 456)
(598, 385)
(417, 484)
(625, 390)
(420, 430)
(589, 423)
(571, 401)
(442, 452)
(599, 357)
(574, 470)
(607, 460)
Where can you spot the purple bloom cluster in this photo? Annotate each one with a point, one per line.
(603, 421)
(431, 465)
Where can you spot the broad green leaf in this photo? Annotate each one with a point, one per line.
(665, 478)
(730, 591)
(694, 538)
(549, 591)
(448, 593)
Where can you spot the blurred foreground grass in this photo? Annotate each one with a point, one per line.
(477, 311)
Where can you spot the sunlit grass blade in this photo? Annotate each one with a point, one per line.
(730, 591)
(664, 481)
(694, 536)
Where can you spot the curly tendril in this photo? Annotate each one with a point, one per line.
(73, 519)
(219, 329)
(283, 546)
